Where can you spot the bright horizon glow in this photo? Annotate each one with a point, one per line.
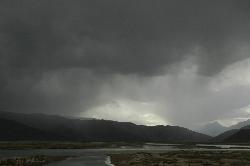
(127, 111)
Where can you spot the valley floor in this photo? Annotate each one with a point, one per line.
(183, 158)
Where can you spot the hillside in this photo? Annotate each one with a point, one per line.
(13, 131)
(222, 137)
(242, 136)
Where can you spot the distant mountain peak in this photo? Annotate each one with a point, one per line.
(215, 123)
(212, 128)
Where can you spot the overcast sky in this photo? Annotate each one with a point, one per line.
(151, 62)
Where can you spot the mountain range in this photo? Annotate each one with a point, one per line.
(241, 135)
(22, 126)
(215, 128)
(238, 133)
(42, 127)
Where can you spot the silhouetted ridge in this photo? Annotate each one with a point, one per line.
(61, 128)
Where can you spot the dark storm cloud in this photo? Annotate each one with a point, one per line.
(120, 36)
(92, 40)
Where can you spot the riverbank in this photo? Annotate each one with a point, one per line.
(183, 158)
(21, 145)
(31, 160)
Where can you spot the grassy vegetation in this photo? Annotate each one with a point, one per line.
(184, 158)
(31, 160)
